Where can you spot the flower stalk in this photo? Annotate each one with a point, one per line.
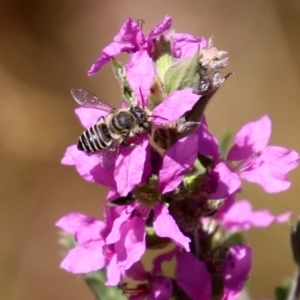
(172, 184)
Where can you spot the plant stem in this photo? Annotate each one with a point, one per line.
(294, 293)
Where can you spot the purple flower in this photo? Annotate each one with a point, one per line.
(97, 249)
(132, 165)
(241, 217)
(89, 234)
(236, 270)
(135, 216)
(192, 276)
(155, 286)
(130, 39)
(259, 163)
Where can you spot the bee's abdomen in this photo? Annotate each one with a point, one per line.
(94, 139)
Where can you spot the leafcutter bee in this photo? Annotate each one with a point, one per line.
(111, 132)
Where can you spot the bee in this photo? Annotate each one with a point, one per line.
(112, 132)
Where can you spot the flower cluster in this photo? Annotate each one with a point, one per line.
(172, 182)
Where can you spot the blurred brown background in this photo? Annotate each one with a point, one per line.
(46, 47)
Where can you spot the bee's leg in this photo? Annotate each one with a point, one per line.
(154, 144)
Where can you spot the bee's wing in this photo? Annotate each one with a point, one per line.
(88, 99)
(110, 154)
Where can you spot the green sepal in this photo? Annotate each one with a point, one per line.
(66, 239)
(224, 141)
(282, 292)
(162, 55)
(183, 74)
(96, 282)
(190, 181)
(199, 166)
(120, 74)
(236, 238)
(163, 63)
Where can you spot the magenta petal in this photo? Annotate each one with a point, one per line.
(161, 27)
(107, 54)
(128, 32)
(273, 165)
(208, 144)
(193, 277)
(84, 258)
(112, 195)
(130, 166)
(131, 246)
(251, 138)
(228, 183)
(89, 167)
(177, 160)
(140, 73)
(71, 222)
(185, 45)
(165, 226)
(137, 272)
(89, 116)
(284, 217)
(241, 217)
(175, 105)
(84, 163)
(68, 158)
(237, 268)
(113, 272)
(84, 228)
(115, 233)
(161, 289)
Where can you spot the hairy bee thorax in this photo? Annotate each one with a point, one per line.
(127, 122)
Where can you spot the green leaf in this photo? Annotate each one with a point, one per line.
(185, 73)
(282, 292)
(96, 282)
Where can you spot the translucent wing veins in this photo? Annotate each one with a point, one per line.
(88, 99)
